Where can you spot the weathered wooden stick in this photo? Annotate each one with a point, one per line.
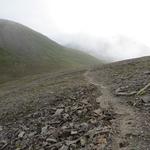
(142, 91)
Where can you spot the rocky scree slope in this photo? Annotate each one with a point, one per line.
(129, 82)
(53, 112)
(103, 108)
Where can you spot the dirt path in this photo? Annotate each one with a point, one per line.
(125, 125)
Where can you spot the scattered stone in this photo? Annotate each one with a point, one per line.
(147, 72)
(102, 140)
(123, 144)
(68, 143)
(85, 101)
(79, 112)
(66, 116)
(93, 121)
(1, 128)
(58, 112)
(83, 141)
(71, 124)
(85, 110)
(73, 146)
(31, 134)
(51, 140)
(98, 100)
(64, 147)
(84, 126)
(98, 111)
(74, 132)
(108, 115)
(44, 130)
(61, 106)
(21, 134)
(120, 89)
(62, 126)
(146, 98)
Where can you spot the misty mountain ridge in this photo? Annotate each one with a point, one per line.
(24, 51)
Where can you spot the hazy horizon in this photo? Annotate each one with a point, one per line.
(110, 28)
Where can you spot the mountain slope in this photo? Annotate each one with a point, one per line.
(108, 49)
(24, 51)
(91, 109)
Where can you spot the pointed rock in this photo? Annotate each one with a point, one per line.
(21, 134)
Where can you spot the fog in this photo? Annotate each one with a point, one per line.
(108, 29)
(108, 49)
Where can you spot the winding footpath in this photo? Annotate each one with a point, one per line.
(125, 125)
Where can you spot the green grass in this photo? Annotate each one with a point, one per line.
(27, 52)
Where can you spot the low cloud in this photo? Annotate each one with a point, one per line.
(112, 49)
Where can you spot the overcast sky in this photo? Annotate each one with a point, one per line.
(96, 18)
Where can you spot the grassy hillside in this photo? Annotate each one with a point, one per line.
(24, 52)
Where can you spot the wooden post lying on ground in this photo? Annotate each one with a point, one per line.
(142, 91)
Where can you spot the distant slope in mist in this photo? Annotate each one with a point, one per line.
(24, 51)
(111, 49)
